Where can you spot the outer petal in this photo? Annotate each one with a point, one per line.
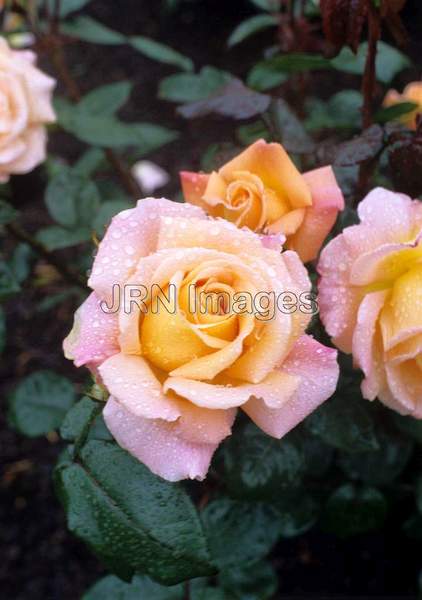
(131, 235)
(131, 381)
(155, 443)
(317, 367)
(202, 425)
(272, 164)
(193, 187)
(94, 334)
(405, 383)
(338, 301)
(366, 351)
(327, 201)
(35, 140)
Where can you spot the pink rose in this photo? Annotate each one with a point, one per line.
(176, 378)
(25, 108)
(370, 296)
(262, 189)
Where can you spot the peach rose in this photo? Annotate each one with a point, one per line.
(176, 378)
(370, 297)
(411, 93)
(25, 108)
(262, 189)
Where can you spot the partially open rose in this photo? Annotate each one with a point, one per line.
(177, 375)
(371, 297)
(262, 189)
(411, 93)
(25, 108)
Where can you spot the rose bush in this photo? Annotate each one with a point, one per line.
(370, 296)
(262, 189)
(25, 101)
(176, 380)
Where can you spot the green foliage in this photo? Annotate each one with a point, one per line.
(161, 52)
(66, 6)
(345, 422)
(253, 582)
(274, 71)
(392, 113)
(189, 87)
(259, 466)
(7, 212)
(133, 520)
(239, 532)
(107, 99)
(39, 403)
(389, 61)
(351, 510)
(250, 26)
(288, 129)
(106, 130)
(9, 285)
(270, 5)
(88, 30)
(297, 511)
(140, 588)
(341, 111)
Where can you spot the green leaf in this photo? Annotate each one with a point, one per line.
(288, 129)
(239, 532)
(39, 403)
(351, 510)
(232, 100)
(259, 466)
(140, 588)
(78, 421)
(341, 111)
(344, 422)
(397, 111)
(2, 330)
(87, 29)
(274, 71)
(250, 26)
(56, 237)
(107, 99)
(8, 282)
(297, 511)
(270, 5)
(255, 582)
(389, 61)
(107, 131)
(72, 200)
(133, 520)
(106, 213)
(20, 262)
(382, 466)
(7, 212)
(160, 52)
(191, 87)
(89, 162)
(251, 132)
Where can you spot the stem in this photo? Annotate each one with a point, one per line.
(368, 81)
(187, 590)
(59, 61)
(66, 272)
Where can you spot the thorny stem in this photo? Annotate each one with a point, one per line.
(55, 48)
(66, 272)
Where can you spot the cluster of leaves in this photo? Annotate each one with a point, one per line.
(350, 463)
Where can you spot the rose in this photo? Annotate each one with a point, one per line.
(411, 93)
(262, 189)
(370, 296)
(176, 380)
(25, 107)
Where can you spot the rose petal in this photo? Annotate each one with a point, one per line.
(94, 334)
(155, 443)
(317, 367)
(131, 381)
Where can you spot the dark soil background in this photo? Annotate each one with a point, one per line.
(39, 559)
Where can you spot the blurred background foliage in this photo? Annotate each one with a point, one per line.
(335, 506)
